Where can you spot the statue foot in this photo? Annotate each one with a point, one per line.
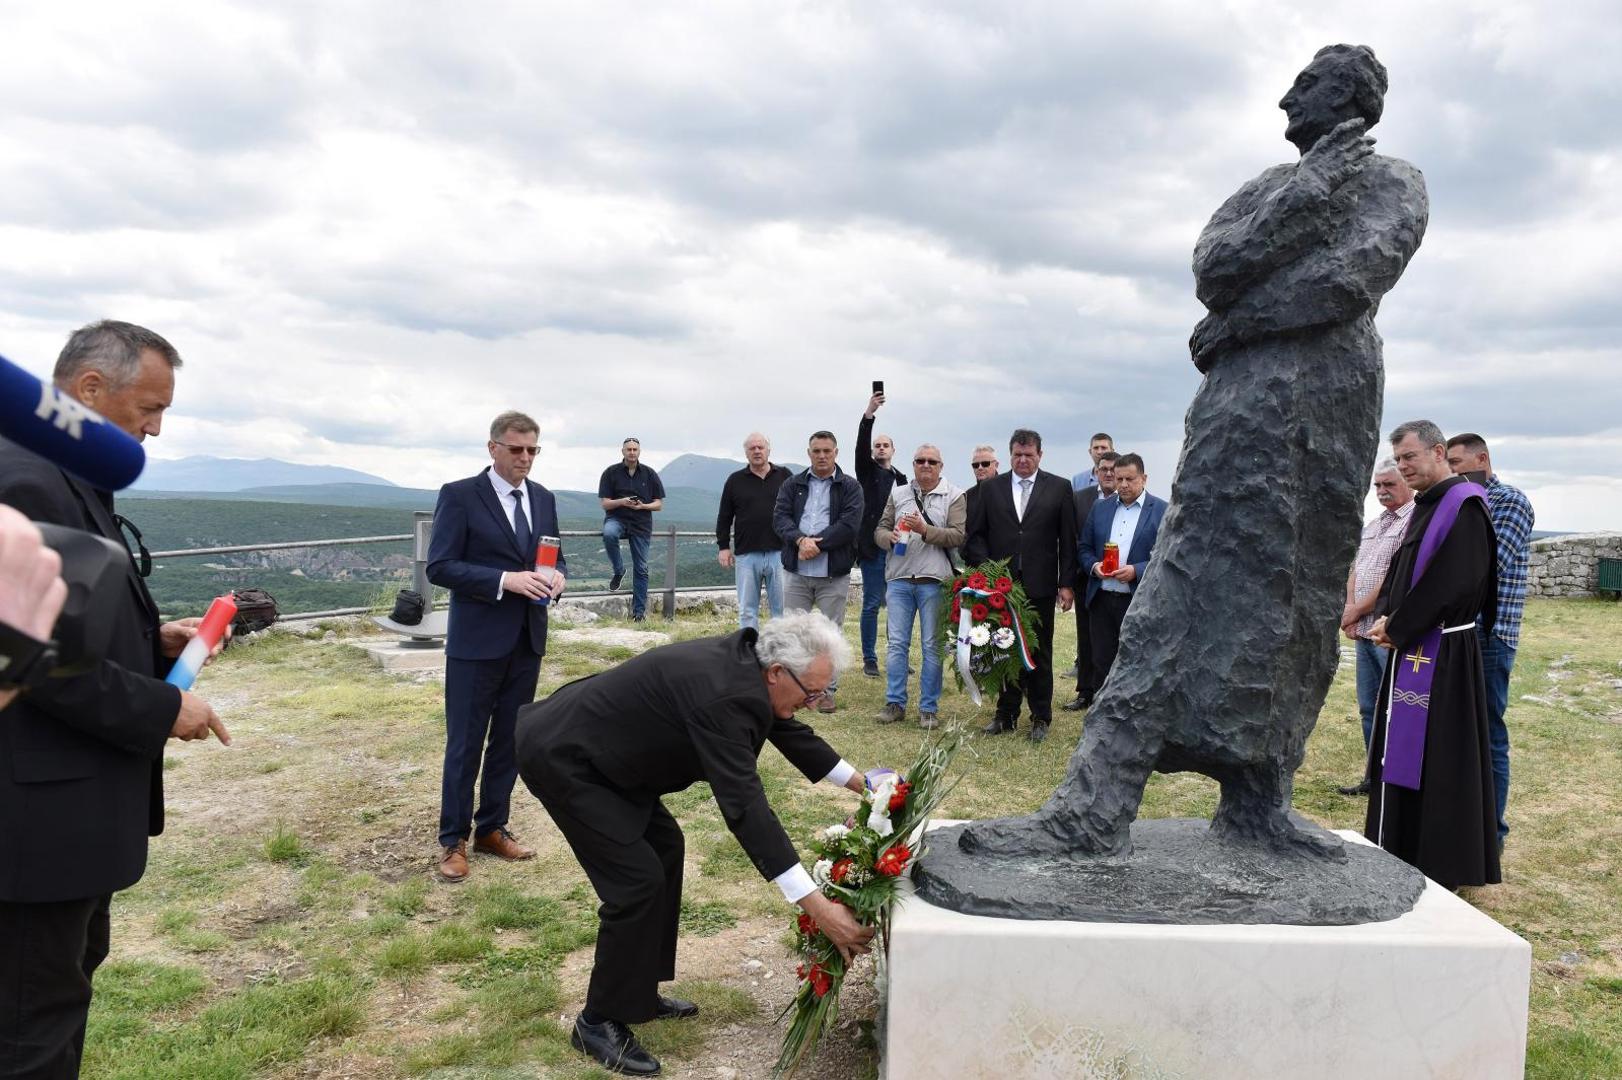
(1276, 831)
(1042, 833)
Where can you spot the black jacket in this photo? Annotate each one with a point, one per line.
(845, 518)
(743, 523)
(1041, 549)
(876, 484)
(607, 746)
(81, 758)
(1084, 499)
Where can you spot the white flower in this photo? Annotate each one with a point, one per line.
(1003, 638)
(979, 636)
(834, 832)
(880, 823)
(819, 872)
(880, 796)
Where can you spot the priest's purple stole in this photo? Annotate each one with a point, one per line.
(1416, 665)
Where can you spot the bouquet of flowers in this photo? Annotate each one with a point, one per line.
(859, 864)
(990, 629)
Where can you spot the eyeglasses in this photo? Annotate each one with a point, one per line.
(926, 461)
(520, 451)
(982, 464)
(811, 698)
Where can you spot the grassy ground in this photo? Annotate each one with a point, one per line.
(289, 924)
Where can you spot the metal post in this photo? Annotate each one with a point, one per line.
(422, 530)
(670, 574)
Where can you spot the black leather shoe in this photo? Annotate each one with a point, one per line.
(674, 1009)
(614, 582)
(1039, 731)
(1075, 704)
(870, 668)
(997, 726)
(1361, 788)
(613, 1046)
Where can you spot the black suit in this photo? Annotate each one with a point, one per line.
(1086, 685)
(81, 788)
(601, 751)
(1041, 549)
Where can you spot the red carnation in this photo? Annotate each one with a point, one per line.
(893, 861)
(821, 982)
(1004, 585)
(808, 925)
(979, 611)
(977, 580)
(957, 607)
(899, 799)
(837, 872)
(1007, 619)
(997, 600)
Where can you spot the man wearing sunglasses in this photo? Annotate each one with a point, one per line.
(486, 529)
(601, 752)
(81, 756)
(929, 514)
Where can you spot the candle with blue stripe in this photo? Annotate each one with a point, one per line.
(195, 654)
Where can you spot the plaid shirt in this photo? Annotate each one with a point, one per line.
(1512, 521)
(1381, 539)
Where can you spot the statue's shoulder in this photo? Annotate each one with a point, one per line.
(1392, 173)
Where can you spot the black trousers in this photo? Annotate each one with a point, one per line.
(48, 953)
(1104, 624)
(639, 886)
(1036, 686)
(482, 699)
(1086, 685)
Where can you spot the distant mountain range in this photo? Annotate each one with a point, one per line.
(706, 473)
(237, 474)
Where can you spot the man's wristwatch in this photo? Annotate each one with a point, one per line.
(25, 661)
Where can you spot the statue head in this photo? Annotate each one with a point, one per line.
(1342, 82)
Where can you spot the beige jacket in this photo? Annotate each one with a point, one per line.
(926, 555)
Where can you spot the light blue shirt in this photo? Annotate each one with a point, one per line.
(814, 519)
(1083, 480)
(1121, 531)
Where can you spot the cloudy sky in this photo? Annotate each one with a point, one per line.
(371, 227)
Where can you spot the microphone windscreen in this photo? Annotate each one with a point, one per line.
(39, 417)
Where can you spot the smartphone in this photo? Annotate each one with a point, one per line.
(878, 386)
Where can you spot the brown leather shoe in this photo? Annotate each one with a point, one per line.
(502, 844)
(453, 862)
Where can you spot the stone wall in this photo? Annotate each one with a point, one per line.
(1569, 565)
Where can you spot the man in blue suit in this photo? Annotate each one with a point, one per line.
(483, 551)
(1130, 519)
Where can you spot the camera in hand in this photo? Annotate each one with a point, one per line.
(94, 570)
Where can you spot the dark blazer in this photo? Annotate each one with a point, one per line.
(876, 484)
(660, 722)
(81, 758)
(1084, 498)
(1096, 535)
(1041, 549)
(472, 545)
(845, 518)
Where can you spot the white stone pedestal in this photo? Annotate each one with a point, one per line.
(1439, 992)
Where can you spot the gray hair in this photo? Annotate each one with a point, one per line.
(752, 436)
(113, 348)
(1387, 464)
(1426, 431)
(795, 641)
(513, 420)
(986, 448)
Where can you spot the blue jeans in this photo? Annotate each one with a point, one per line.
(613, 531)
(873, 589)
(751, 569)
(1370, 670)
(1497, 659)
(905, 599)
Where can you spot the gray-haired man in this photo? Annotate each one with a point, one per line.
(600, 752)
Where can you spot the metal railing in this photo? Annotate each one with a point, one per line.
(422, 528)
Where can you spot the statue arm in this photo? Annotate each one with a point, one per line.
(1336, 284)
(1250, 236)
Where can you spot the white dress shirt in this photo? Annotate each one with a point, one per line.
(1019, 511)
(1121, 532)
(510, 506)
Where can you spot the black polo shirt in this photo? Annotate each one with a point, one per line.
(618, 482)
(747, 502)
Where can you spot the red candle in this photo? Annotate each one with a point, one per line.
(1112, 559)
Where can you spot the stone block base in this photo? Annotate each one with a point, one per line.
(1439, 992)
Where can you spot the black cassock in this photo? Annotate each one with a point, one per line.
(1446, 828)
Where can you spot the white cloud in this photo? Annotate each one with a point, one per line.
(371, 227)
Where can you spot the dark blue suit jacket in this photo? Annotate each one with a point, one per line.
(1095, 534)
(472, 544)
